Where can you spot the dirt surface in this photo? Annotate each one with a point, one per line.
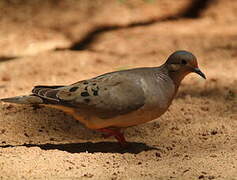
(30, 27)
(195, 139)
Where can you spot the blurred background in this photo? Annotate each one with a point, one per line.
(128, 32)
(30, 27)
(51, 42)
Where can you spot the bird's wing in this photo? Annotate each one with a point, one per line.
(106, 96)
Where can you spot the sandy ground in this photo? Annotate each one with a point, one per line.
(195, 139)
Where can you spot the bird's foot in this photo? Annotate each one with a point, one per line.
(114, 132)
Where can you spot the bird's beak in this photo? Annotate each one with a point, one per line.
(198, 71)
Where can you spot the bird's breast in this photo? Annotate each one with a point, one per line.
(159, 93)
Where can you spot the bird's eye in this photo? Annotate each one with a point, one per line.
(184, 62)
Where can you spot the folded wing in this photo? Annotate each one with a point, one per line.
(105, 96)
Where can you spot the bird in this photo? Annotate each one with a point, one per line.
(116, 100)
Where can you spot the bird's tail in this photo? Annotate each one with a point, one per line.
(27, 99)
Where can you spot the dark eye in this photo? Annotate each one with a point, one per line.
(184, 62)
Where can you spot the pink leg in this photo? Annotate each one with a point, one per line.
(116, 133)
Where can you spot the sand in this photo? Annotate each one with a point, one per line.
(195, 139)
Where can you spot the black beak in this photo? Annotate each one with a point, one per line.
(198, 71)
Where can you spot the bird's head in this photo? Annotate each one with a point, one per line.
(181, 63)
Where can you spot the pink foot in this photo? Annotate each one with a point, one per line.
(116, 133)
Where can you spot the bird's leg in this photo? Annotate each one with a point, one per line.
(114, 132)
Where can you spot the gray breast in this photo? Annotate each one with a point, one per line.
(159, 90)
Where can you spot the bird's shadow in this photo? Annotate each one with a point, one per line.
(90, 147)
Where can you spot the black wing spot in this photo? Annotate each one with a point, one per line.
(86, 88)
(85, 82)
(184, 62)
(73, 89)
(84, 94)
(95, 93)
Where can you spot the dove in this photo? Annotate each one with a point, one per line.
(116, 100)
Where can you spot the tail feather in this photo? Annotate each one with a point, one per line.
(28, 99)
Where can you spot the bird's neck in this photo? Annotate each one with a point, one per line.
(176, 76)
